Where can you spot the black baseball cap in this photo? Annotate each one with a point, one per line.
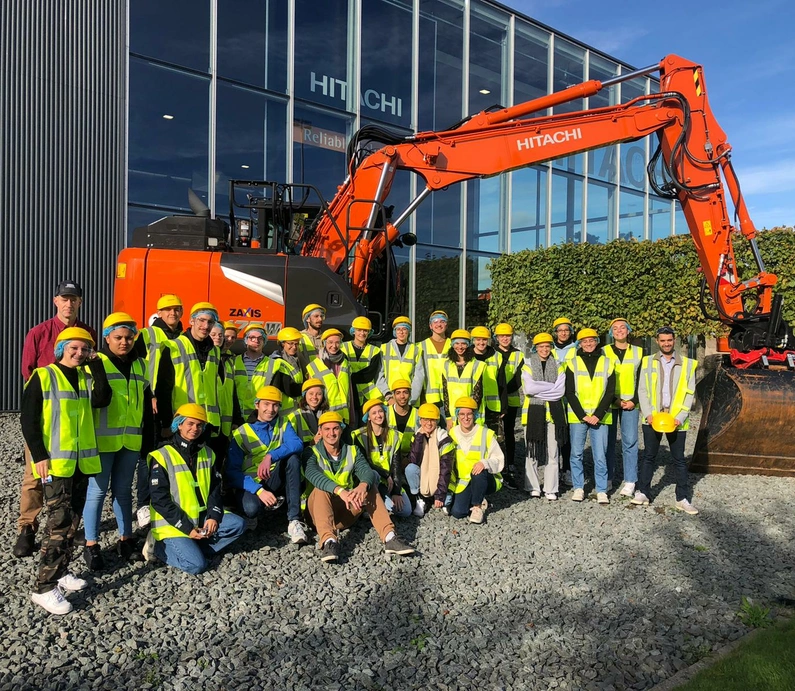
(68, 288)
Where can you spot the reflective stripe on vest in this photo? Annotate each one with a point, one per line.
(276, 365)
(67, 423)
(590, 391)
(254, 449)
(154, 339)
(491, 394)
(365, 390)
(182, 486)
(226, 396)
(344, 476)
(464, 462)
(515, 362)
(626, 370)
(246, 388)
(336, 386)
(192, 383)
(307, 345)
(412, 426)
(120, 423)
(378, 459)
(305, 425)
(459, 385)
(651, 371)
(397, 366)
(434, 368)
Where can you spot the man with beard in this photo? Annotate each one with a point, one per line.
(313, 317)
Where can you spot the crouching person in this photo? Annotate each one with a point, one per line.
(478, 462)
(431, 460)
(189, 525)
(344, 487)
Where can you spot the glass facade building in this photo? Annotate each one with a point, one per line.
(273, 90)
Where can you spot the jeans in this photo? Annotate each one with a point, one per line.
(287, 475)
(412, 472)
(193, 556)
(118, 469)
(405, 511)
(578, 431)
(473, 494)
(651, 445)
(629, 443)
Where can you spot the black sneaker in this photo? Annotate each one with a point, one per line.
(26, 542)
(397, 546)
(79, 538)
(128, 550)
(330, 551)
(94, 559)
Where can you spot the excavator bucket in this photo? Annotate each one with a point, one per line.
(748, 422)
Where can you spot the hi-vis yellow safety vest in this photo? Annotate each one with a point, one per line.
(364, 390)
(528, 399)
(412, 425)
(120, 423)
(154, 339)
(650, 369)
(192, 384)
(183, 486)
(303, 426)
(434, 368)
(515, 362)
(278, 364)
(307, 345)
(590, 391)
(253, 448)
(226, 396)
(459, 385)
(67, 423)
(626, 371)
(378, 459)
(344, 475)
(397, 366)
(337, 387)
(246, 388)
(464, 462)
(491, 393)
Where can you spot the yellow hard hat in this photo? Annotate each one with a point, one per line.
(542, 338)
(503, 330)
(75, 333)
(438, 314)
(118, 318)
(330, 332)
(203, 307)
(480, 332)
(231, 325)
(329, 416)
(310, 383)
(254, 326)
(288, 333)
(559, 321)
(587, 333)
(362, 323)
(401, 384)
(618, 319)
(372, 403)
(663, 422)
(311, 308)
(429, 411)
(168, 301)
(269, 393)
(397, 321)
(460, 334)
(466, 402)
(193, 410)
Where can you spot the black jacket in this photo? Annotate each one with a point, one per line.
(590, 360)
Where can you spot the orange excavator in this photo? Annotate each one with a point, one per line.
(293, 247)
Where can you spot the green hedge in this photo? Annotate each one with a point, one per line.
(648, 283)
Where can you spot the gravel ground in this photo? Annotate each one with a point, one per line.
(543, 595)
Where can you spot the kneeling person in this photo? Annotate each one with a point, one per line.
(264, 459)
(345, 486)
(431, 460)
(189, 525)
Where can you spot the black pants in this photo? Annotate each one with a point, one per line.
(651, 445)
(509, 425)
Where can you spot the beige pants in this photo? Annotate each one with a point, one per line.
(552, 469)
(330, 514)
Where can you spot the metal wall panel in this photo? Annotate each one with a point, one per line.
(62, 146)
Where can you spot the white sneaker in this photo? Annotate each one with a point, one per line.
(297, 533)
(143, 515)
(687, 507)
(628, 489)
(579, 494)
(54, 601)
(149, 548)
(536, 494)
(602, 498)
(419, 509)
(551, 497)
(476, 515)
(73, 583)
(640, 499)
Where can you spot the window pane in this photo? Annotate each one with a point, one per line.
(439, 218)
(484, 204)
(138, 217)
(438, 287)
(386, 62)
(569, 70)
(659, 218)
(633, 154)
(252, 42)
(487, 60)
(601, 221)
(680, 222)
(529, 209)
(531, 57)
(602, 162)
(566, 208)
(251, 140)
(321, 53)
(176, 31)
(478, 288)
(440, 64)
(630, 215)
(167, 155)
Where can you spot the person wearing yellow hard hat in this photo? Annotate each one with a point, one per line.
(167, 326)
(264, 464)
(402, 416)
(432, 356)
(285, 367)
(565, 346)
(364, 360)
(399, 360)
(484, 352)
(312, 317)
(626, 411)
(667, 386)
(231, 330)
(462, 374)
(226, 392)
(430, 464)
(120, 432)
(590, 390)
(478, 463)
(344, 486)
(38, 351)
(189, 523)
(311, 406)
(543, 417)
(331, 366)
(509, 383)
(251, 367)
(57, 421)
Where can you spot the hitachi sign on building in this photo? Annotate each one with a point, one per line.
(543, 139)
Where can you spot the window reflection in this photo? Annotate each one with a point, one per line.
(633, 154)
(478, 288)
(319, 143)
(531, 57)
(484, 214)
(439, 217)
(487, 59)
(438, 287)
(630, 215)
(601, 213)
(529, 209)
(177, 31)
(659, 218)
(566, 208)
(680, 222)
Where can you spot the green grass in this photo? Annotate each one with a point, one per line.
(767, 663)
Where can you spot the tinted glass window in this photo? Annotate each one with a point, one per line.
(530, 63)
(438, 287)
(484, 214)
(529, 209)
(319, 143)
(487, 58)
(601, 213)
(633, 154)
(566, 208)
(630, 215)
(176, 31)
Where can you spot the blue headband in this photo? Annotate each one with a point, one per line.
(107, 330)
(366, 416)
(397, 326)
(629, 328)
(209, 313)
(178, 421)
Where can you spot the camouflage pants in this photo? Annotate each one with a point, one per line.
(64, 499)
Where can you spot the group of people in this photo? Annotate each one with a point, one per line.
(330, 427)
